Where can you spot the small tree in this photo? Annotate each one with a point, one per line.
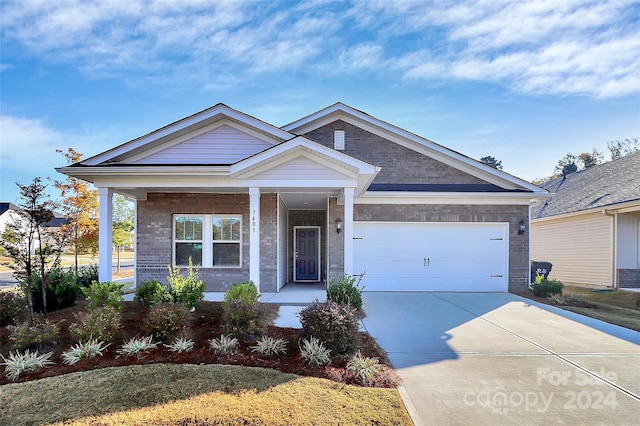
(33, 247)
(80, 205)
(491, 162)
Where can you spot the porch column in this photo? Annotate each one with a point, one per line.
(254, 236)
(105, 243)
(348, 230)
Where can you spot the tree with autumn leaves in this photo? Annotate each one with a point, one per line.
(80, 206)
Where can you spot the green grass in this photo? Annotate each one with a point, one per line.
(617, 307)
(191, 394)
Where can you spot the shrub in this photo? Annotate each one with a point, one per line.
(246, 291)
(224, 345)
(181, 344)
(18, 363)
(152, 292)
(245, 319)
(187, 290)
(314, 352)
(270, 346)
(346, 291)
(87, 275)
(62, 290)
(137, 346)
(546, 287)
(89, 349)
(335, 325)
(33, 336)
(167, 320)
(364, 369)
(106, 294)
(13, 308)
(102, 324)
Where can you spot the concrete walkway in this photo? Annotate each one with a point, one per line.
(499, 359)
(291, 299)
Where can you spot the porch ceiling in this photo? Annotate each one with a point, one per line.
(307, 200)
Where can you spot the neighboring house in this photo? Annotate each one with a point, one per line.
(590, 229)
(335, 192)
(9, 213)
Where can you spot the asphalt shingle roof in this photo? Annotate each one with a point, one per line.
(603, 185)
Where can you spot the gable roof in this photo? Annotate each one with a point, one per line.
(181, 156)
(613, 184)
(56, 221)
(340, 111)
(195, 123)
(8, 206)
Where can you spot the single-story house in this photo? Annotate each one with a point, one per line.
(590, 229)
(335, 192)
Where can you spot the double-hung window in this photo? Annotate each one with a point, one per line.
(210, 240)
(226, 241)
(188, 240)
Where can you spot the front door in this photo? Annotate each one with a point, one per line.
(307, 253)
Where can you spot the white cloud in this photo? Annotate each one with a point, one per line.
(587, 47)
(29, 145)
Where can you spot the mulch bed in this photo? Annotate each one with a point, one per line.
(206, 323)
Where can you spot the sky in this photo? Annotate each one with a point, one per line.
(523, 81)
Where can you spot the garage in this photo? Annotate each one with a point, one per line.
(400, 256)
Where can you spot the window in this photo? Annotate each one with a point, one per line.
(188, 240)
(210, 240)
(226, 241)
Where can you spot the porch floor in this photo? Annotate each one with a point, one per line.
(292, 294)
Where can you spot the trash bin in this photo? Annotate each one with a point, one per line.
(540, 268)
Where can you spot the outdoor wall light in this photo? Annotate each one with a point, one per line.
(521, 227)
(338, 225)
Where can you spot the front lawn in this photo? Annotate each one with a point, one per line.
(196, 394)
(617, 307)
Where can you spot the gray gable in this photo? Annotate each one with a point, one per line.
(603, 185)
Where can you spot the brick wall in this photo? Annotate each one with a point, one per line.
(399, 164)
(154, 239)
(335, 257)
(268, 242)
(518, 244)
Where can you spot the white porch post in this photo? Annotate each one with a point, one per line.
(105, 243)
(348, 230)
(254, 236)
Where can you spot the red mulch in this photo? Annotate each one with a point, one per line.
(206, 323)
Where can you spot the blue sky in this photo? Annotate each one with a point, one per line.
(524, 81)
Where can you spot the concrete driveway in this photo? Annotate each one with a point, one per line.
(496, 358)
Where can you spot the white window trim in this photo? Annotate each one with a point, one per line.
(239, 242)
(207, 239)
(176, 241)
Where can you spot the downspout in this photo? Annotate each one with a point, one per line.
(614, 238)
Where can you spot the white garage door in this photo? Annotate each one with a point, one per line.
(398, 256)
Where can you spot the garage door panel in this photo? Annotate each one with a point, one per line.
(397, 256)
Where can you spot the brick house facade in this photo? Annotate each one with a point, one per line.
(335, 192)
